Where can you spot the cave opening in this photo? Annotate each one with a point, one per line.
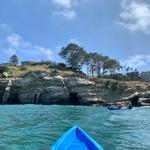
(74, 99)
(2, 93)
(135, 101)
(35, 99)
(14, 99)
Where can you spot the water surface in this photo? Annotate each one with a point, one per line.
(31, 127)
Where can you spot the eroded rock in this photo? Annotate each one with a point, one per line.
(41, 88)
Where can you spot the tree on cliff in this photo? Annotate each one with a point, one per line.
(14, 60)
(99, 59)
(87, 59)
(95, 64)
(92, 63)
(98, 65)
(112, 65)
(73, 55)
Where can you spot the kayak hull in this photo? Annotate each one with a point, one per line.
(117, 108)
(76, 139)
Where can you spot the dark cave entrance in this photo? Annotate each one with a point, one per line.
(135, 101)
(2, 92)
(35, 99)
(74, 99)
(14, 99)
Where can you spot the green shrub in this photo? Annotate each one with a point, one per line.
(62, 65)
(3, 69)
(23, 68)
(120, 77)
(54, 73)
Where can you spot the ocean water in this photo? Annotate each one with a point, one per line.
(31, 127)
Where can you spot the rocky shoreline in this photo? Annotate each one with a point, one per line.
(40, 88)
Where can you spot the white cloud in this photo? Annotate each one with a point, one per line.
(135, 16)
(69, 14)
(5, 27)
(17, 45)
(63, 3)
(66, 8)
(10, 51)
(42, 50)
(137, 61)
(14, 39)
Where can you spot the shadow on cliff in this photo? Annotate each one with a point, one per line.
(13, 99)
(74, 99)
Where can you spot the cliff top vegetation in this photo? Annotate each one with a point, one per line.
(78, 62)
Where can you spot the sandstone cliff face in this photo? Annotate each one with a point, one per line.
(33, 89)
(39, 88)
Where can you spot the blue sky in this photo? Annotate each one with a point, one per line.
(37, 29)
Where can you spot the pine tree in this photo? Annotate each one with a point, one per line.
(14, 60)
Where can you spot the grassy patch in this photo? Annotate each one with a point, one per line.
(19, 71)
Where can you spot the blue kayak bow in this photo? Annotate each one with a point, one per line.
(76, 139)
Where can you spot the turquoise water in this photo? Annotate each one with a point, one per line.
(31, 127)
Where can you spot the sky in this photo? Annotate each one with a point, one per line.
(37, 29)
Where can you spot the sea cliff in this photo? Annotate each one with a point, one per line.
(44, 88)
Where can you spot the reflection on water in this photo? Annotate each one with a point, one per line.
(31, 127)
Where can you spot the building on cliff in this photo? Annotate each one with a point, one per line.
(146, 76)
(25, 63)
(133, 76)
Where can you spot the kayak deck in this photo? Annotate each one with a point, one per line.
(76, 144)
(76, 139)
